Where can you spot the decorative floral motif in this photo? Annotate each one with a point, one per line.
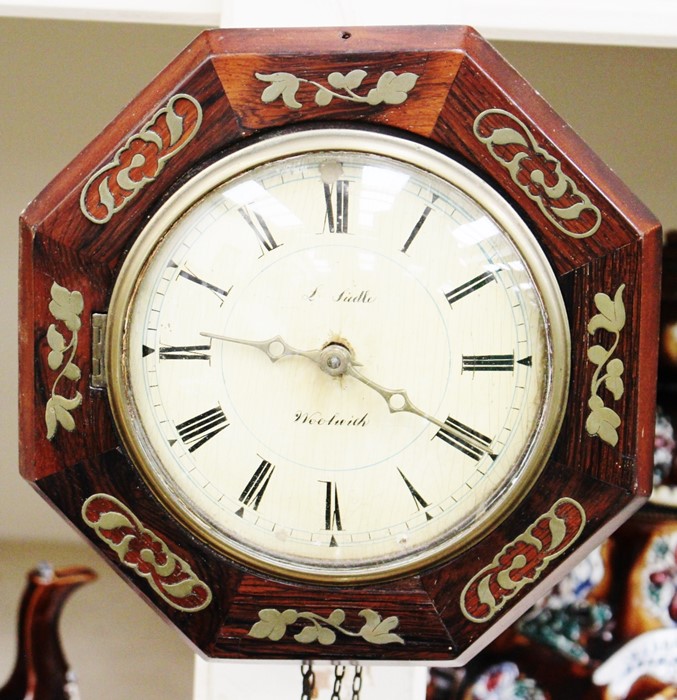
(66, 307)
(603, 421)
(141, 159)
(145, 553)
(504, 681)
(391, 88)
(537, 173)
(273, 624)
(523, 560)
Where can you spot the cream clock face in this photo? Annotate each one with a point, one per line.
(337, 355)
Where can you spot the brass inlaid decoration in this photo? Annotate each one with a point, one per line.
(145, 553)
(602, 420)
(390, 89)
(522, 561)
(537, 173)
(273, 624)
(65, 306)
(141, 159)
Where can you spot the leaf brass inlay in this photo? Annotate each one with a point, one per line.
(537, 173)
(604, 421)
(391, 88)
(65, 306)
(273, 624)
(522, 561)
(141, 159)
(145, 553)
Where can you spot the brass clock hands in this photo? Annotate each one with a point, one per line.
(335, 359)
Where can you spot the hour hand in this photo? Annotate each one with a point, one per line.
(274, 348)
(451, 431)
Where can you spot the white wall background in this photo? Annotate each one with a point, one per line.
(62, 81)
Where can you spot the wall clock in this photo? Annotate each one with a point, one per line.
(339, 344)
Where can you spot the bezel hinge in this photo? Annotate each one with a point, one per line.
(99, 322)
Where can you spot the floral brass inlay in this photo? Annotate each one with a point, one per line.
(537, 173)
(145, 553)
(391, 88)
(522, 561)
(65, 306)
(273, 624)
(604, 421)
(141, 159)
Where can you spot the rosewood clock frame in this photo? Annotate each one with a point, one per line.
(448, 87)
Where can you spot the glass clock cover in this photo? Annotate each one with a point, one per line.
(333, 354)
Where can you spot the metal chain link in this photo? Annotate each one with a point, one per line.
(308, 688)
(339, 672)
(357, 683)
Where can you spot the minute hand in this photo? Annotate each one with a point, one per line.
(399, 402)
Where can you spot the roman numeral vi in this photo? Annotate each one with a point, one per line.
(332, 513)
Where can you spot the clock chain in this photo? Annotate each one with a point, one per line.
(339, 672)
(308, 686)
(357, 683)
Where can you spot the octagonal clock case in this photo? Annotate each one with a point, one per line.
(339, 344)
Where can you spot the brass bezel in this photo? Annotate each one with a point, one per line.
(292, 143)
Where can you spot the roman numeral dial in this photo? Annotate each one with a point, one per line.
(260, 228)
(469, 287)
(468, 441)
(493, 363)
(336, 199)
(184, 352)
(253, 492)
(336, 190)
(221, 293)
(332, 510)
(488, 363)
(337, 361)
(421, 503)
(418, 226)
(197, 431)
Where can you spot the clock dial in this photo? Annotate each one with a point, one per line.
(332, 355)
